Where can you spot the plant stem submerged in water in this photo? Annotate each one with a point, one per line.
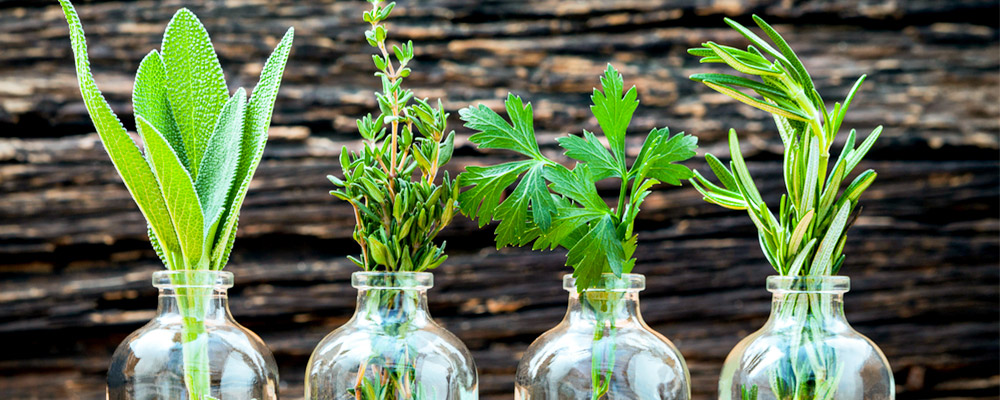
(389, 373)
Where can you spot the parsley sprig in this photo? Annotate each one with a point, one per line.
(555, 206)
(808, 235)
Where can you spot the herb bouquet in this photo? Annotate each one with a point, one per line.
(806, 350)
(391, 348)
(201, 149)
(594, 351)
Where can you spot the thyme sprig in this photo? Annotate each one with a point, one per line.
(391, 182)
(808, 235)
(554, 206)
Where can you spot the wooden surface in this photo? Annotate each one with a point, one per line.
(923, 258)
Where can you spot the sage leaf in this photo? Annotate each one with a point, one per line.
(197, 87)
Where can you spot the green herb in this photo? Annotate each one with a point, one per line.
(391, 181)
(201, 150)
(554, 206)
(400, 206)
(808, 235)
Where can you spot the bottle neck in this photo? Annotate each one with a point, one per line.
(798, 309)
(613, 308)
(392, 306)
(201, 303)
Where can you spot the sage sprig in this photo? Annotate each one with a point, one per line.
(807, 236)
(202, 145)
(392, 181)
(555, 206)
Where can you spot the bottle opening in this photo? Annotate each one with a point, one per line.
(193, 279)
(831, 284)
(610, 283)
(392, 280)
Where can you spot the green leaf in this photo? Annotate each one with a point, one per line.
(480, 202)
(854, 157)
(800, 231)
(150, 100)
(800, 259)
(197, 88)
(599, 248)
(839, 113)
(218, 166)
(530, 194)
(177, 186)
(753, 38)
(496, 133)
(614, 111)
(255, 123)
(858, 186)
(721, 172)
(128, 161)
(742, 65)
(730, 80)
(789, 54)
(823, 260)
(568, 221)
(577, 185)
(661, 165)
(589, 149)
(753, 102)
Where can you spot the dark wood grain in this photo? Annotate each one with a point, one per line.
(75, 262)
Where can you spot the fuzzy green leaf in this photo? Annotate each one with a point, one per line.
(125, 155)
(218, 166)
(254, 135)
(197, 87)
(150, 100)
(178, 188)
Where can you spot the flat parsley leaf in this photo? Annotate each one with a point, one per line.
(555, 206)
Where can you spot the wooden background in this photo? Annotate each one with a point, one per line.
(75, 263)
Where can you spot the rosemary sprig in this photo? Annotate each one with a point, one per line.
(554, 206)
(808, 235)
(391, 182)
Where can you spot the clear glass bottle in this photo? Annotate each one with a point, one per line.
(806, 349)
(603, 349)
(193, 349)
(391, 349)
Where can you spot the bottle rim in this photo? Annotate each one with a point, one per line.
(610, 283)
(193, 279)
(829, 284)
(368, 280)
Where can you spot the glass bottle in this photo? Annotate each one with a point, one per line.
(391, 348)
(193, 349)
(806, 349)
(603, 349)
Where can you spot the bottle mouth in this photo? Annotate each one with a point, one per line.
(364, 280)
(828, 284)
(192, 279)
(609, 283)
